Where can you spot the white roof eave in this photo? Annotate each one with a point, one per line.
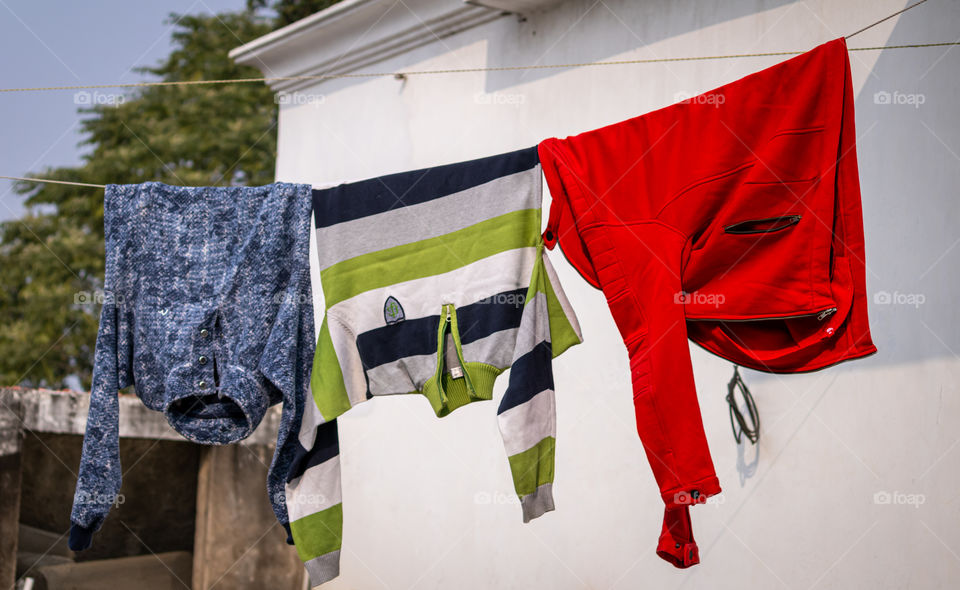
(356, 34)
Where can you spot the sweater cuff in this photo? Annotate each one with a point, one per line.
(81, 537)
(286, 527)
(324, 568)
(538, 503)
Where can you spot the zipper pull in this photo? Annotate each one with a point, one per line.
(823, 314)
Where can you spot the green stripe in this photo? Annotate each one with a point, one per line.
(429, 257)
(318, 533)
(534, 467)
(326, 381)
(562, 334)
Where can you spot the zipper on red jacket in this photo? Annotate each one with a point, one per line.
(821, 315)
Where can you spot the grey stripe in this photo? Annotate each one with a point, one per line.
(402, 375)
(427, 220)
(494, 349)
(526, 425)
(533, 330)
(411, 372)
(324, 568)
(538, 503)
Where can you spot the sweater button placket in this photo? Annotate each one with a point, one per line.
(202, 359)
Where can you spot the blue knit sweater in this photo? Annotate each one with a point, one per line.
(208, 311)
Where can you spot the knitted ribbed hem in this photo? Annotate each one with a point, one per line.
(286, 527)
(538, 503)
(482, 377)
(324, 568)
(81, 537)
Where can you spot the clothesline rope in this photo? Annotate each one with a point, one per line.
(505, 68)
(468, 70)
(50, 181)
(317, 77)
(885, 19)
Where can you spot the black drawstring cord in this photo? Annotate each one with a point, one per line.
(736, 416)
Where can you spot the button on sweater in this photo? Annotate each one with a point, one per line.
(208, 312)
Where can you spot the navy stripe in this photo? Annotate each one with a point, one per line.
(418, 336)
(379, 195)
(502, 311)
(326, 447)
(408, 338)
(529, 375)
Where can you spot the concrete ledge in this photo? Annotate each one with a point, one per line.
(10, 422)
(65, 412)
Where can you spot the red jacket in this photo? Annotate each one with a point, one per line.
(732, 219)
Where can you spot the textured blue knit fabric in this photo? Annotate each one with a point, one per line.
(208, 312)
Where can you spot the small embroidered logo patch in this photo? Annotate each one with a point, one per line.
(393, 311)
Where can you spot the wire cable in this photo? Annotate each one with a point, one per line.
(885, 19)
(318, 77)
(51, 181)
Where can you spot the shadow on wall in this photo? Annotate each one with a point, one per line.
(909, 156)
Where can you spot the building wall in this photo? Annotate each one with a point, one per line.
(853, 483)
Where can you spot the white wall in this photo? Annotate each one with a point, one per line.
(428, 502)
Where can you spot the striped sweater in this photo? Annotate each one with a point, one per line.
(435, 281)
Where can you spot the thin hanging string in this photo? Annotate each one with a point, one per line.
(885, 19)
(773, 53)
(51, 181)
(318, 77)
(456, 71)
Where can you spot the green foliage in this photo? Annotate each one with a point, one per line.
(289, 11)
(195, 135)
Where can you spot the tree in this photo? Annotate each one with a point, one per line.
(288, 11)
(51, 261)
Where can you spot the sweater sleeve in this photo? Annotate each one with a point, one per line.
(98, 482)
(289, 351)
(527, 412)
(313, 496)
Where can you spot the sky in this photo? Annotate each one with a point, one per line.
(68, 43)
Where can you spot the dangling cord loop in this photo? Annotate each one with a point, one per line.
(751, 430)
